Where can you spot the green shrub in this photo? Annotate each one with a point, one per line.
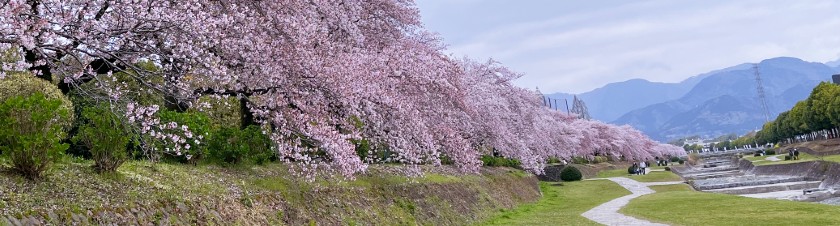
(631, 170)
(234, 146)
(674, 159)
(570, 173)
(105, 135)
(31, 130)
(25, 85)
(362, 147)
(579, 160)
(222, 112)
(489, 160)
(446, 160)
(259, 145)
(681, 161)
(600, 159)
(787, 157)
(667, 168)
(770, 152)
(224, 146)
(198, 124)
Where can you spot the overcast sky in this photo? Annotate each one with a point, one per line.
(575, 46)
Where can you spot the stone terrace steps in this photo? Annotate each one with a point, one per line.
(767, 188)
(787, 195)
(741, 181)
(708, 170)
(717, 174)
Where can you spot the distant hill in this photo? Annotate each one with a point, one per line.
(834, 65)
(725, 101)
(613, 100)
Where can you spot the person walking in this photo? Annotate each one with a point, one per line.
(642, 166)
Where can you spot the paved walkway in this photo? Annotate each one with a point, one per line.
(607, 213)
(774, 158)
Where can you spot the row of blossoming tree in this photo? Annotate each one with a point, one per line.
(319, 76)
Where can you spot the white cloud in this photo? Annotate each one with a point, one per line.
(583, 45)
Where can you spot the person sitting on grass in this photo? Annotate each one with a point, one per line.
(635, 168)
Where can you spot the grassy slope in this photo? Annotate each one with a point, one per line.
(656, 176)
(562, 205)
(700, 208)
(184, 194)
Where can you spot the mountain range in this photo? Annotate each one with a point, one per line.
(711, 104)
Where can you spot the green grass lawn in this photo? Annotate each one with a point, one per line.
(803, 157)
(700, 208)
(671, 187)
(656, 176)
(562, 205)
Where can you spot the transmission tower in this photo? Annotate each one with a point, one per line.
(579, 108)
(761, 97)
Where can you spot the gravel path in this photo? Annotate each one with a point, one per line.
(607, 213)
(774, 158)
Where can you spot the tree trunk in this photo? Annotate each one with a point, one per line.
(246, 116)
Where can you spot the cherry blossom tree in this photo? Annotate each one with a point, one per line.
(317, 74)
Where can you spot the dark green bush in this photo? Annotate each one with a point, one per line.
(570, 173)
(31, 130)
(105, 135)
(770, 152)
(259, 145)
(446, 160)
(787, 157)
(631, 170)
(667, 168)
(681, 161)
(674, 159)
(489, 160)
(234, 146)
(362, 147)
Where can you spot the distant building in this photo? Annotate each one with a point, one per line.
(836, 79)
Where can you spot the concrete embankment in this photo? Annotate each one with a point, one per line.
(805, 181)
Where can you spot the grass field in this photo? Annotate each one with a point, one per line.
(671, 187)
(562, 205)
(656, 176)
(803, 157)
(700, 208)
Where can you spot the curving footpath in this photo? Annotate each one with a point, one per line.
(607, 213)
